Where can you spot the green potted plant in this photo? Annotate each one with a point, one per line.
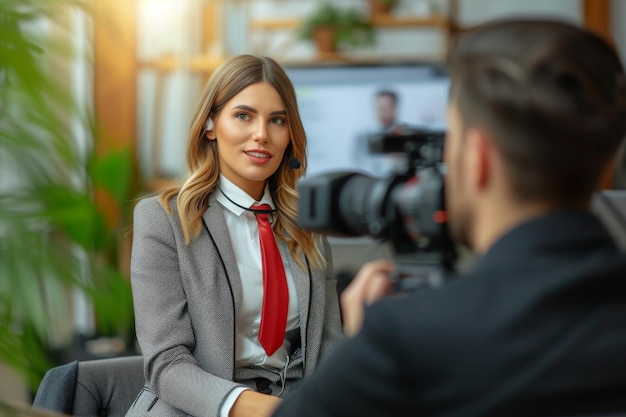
(378, 7)
(53, 237)
(332, 27)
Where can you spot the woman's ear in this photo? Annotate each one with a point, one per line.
(208, 129)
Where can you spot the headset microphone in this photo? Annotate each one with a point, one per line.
(294, 163)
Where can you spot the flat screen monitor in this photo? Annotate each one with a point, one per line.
(341, 105)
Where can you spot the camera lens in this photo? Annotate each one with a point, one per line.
(362, 205)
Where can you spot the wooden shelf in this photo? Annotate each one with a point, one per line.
(275, 24)
(164, 63)
(442, 24)
(390, 21)
(205, 64)
(200, 64)
(387, 21)
(356, 59)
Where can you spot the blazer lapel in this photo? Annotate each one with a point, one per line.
(214, 219)
(306, 306)
(303, 288)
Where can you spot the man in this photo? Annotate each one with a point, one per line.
(386, 111)
(386, 108)
(538, 326)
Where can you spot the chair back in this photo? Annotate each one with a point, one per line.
(610, 206)
(101, 387)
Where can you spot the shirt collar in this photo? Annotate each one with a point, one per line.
(239, 196)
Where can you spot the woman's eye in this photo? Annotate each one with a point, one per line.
(278, 120)
(242, 116)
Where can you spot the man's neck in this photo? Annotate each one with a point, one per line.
(495, 220)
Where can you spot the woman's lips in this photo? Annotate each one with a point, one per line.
(258, 157)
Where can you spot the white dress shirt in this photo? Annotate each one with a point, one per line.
(244, 234)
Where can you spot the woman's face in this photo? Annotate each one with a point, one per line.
(252, 133)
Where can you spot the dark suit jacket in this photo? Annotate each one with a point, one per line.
(538, 328)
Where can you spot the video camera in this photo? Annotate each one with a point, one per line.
(406, 208)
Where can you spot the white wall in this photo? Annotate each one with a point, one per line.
(618, 25)
(166, 100)
(476, 11)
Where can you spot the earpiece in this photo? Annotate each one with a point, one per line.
(209, 124)
(294, 163)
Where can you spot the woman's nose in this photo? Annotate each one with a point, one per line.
(260, 132)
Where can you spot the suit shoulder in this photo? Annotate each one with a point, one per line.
(149, 213)
(152, 205)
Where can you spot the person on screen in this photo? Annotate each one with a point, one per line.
(386, 103)
(386, 114)
(234, 302)
(537, 111)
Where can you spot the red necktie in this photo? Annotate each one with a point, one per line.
(275, 292)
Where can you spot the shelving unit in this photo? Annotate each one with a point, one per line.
(204, 64)
(379, 20)
(445, 25)
(262, 30)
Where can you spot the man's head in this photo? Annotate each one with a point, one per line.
(386, 104)
(537, 112)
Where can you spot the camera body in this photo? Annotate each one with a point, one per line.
(406, 208)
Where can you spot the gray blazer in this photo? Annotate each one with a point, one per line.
(186, 300)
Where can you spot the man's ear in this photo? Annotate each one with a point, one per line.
(208, 129)
(480, 157)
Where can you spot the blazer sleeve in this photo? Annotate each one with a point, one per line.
(164, 329)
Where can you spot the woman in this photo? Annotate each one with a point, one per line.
(197, 270)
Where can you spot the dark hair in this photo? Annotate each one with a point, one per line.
(389, 93)
(552, 96)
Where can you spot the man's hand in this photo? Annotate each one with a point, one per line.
(370, 284)
(254, 404)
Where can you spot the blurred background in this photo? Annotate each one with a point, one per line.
(96, 98)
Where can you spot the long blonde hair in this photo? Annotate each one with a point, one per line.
(203, 163)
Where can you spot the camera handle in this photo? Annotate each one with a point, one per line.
(419, 272)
